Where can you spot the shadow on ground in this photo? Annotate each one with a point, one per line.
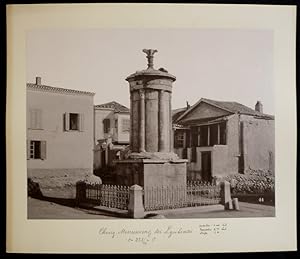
(60, 201)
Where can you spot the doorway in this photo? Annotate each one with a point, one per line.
(206, 166)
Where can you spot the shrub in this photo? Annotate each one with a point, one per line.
(33, 189)
(255, 182)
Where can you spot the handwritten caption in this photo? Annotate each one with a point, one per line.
(151, 235)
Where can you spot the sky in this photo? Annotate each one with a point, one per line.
(219, 64)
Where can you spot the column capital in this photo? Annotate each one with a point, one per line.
(142, 93)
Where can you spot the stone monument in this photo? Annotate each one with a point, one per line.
(151, 160)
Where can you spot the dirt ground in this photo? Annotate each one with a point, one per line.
(41, 209)
(247, 210)
(65, 209)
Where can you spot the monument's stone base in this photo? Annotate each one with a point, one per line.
(151, 172)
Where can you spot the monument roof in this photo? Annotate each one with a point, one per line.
(151, 72)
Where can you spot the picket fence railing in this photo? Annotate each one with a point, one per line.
(172, 197)
(111, 196)
(154, 198)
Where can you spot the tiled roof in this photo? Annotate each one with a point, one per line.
(177, 112)
(116, 107)
(57, 89)
(236, 108)
(233, 107)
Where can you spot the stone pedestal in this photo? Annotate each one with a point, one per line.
(151, 172)
(135, 206)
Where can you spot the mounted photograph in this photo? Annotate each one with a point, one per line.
(150, 123)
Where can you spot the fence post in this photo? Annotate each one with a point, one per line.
(135, 207)
(226, 195)
(235, 202)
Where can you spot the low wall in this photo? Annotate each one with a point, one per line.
(59, 183)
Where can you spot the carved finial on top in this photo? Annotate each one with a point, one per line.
(150, 56)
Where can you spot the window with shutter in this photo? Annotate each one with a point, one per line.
(116, 125)
(179, 139)
(125, 125)
(35, 119)
(36, 149)
(73, 122)
(106, 125)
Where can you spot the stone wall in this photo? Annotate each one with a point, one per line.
(128, 174)
(59, 183)
(165, 174)
(220, 160)
(233, 143)
(259, 141)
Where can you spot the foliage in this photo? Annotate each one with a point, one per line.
(254, 182)
(33, 188)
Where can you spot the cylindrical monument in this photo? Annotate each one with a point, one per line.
(151, 114)
(151, 160)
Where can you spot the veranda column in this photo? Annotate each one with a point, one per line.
(218, 134)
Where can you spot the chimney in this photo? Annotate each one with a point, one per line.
(187, 105)
(259, 106)
(38, 80)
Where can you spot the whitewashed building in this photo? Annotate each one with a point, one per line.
(112, 129)
(59, 131)
(220, 138)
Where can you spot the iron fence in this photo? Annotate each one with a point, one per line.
(192, 194)
(111, 196)
(203, 193)
(171, 197)
(164, 197)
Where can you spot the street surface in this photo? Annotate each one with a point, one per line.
(40, 209)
